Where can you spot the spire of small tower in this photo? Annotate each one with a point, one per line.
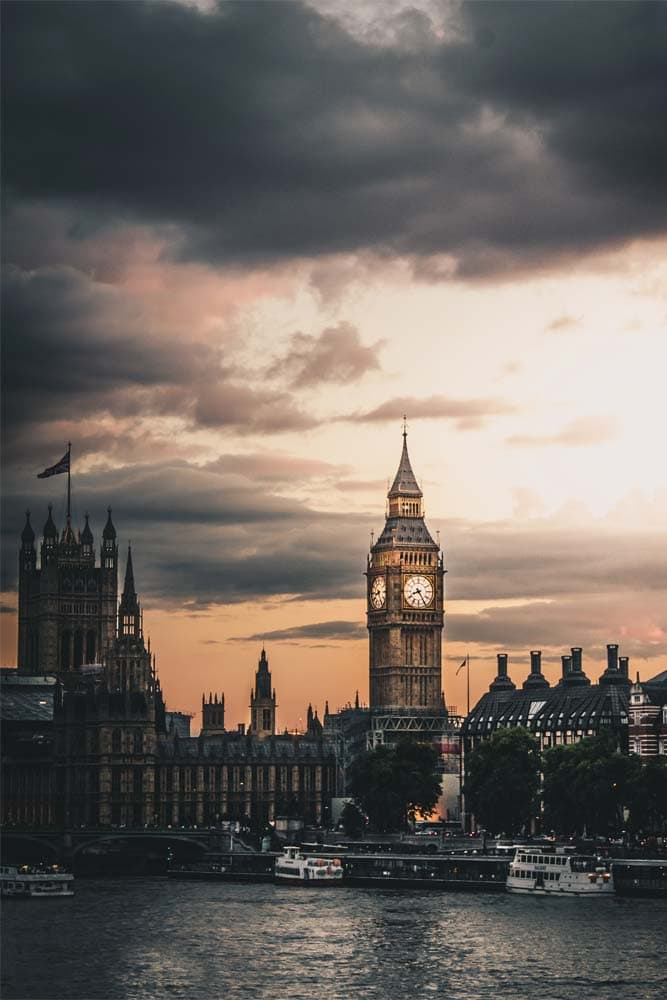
(129, 611)
(109, 530)
(27, 535)
(128, 589)
(86, 534)
(405, 481)
(356, 699)
(50, 530)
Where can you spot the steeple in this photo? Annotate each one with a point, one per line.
(27, 535)
(86, 534)
(128, 589)
(50, 530)
(109, 530)
(405, 495)
(263, 701)
(129, 610)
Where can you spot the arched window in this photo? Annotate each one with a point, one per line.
(116, 741)
(138, 741)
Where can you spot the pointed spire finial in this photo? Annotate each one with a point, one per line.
(405, 426)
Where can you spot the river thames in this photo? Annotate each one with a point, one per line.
(153, 938)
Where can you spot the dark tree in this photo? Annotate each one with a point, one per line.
(648, 799)
(502, 780)
(352, 819)
(587, 785)
(393, 784)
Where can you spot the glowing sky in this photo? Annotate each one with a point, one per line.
(240, 241)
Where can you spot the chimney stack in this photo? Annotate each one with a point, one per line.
(535, 678)
(566, 664)
(624, 665)
(612, 656)
(502, 681)
(576, 659)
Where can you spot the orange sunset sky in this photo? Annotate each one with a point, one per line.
(231, 267)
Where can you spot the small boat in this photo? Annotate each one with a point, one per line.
(558, 873)
(640, 877)
(35, 881)
(300, 869)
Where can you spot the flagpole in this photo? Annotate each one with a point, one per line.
(468, 684)
(69, 481)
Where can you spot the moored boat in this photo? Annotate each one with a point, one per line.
(558, 873)
(35, 881)
(300, 869)
(640, 877)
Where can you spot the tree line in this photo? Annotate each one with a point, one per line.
(588, 788)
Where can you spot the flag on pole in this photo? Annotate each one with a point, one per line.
(55, 470)
(461, 667)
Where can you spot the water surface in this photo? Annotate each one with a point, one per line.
(145, 939)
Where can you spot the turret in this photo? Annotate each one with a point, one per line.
(129, 611)
(263, 701)
(213, 714)
(28, 560)
(49, 539)
(87, 541)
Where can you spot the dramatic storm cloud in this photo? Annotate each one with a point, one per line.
(264, 135)
(242, 240)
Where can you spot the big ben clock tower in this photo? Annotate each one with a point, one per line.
(405, 615)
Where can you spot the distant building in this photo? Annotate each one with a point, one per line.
(67, 606)
(648, 718)
(92, 744)
(565, 713)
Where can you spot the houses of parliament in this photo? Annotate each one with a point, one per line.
(88, 739)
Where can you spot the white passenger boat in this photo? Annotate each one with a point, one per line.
(297, 868)
(35, 881)
(558, 873)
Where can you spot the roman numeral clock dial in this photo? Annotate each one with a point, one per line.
(378, 592)
(418, 592)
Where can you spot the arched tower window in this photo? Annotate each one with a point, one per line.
(115, 741)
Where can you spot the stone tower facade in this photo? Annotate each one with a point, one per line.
(67, 605)
(263, 702)
(129, 663)
(405, 611)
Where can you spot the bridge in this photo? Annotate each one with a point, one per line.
(69, 845)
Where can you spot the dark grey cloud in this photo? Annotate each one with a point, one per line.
(556, 626)
(201, 537)
(336, 355)
(547, 558)
(276, 467)
(334, 630)
(74, 348)
(534, 132)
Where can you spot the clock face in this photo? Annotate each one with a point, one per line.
(418, 591)
(378, 592)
